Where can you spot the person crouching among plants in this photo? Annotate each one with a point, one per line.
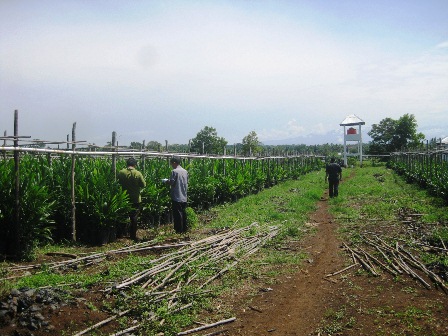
(133, 182)
(178, 182)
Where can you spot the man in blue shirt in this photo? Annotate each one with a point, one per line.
(179, 184)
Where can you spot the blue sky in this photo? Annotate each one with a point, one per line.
(162, 70)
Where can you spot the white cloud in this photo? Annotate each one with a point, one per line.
(442, 45)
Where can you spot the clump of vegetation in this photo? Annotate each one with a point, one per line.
(192, 218)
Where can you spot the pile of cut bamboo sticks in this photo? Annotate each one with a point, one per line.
(394, 259)
(165, 278)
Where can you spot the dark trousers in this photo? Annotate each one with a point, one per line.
(333, 187)
(133, 216)
(179, 216)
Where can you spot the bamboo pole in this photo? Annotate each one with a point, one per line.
(129, 153)
(99, 324)
(114, 156)
(142, 158)
(5, 133)
(16, 247)
(342, 270)
(73, 183)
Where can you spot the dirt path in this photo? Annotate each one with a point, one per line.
(297, 303)
(351, 304)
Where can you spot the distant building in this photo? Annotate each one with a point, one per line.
(444, 143)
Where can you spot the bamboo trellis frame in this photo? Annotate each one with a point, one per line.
(114, 152)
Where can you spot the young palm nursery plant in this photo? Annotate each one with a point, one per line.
(35, 208)
(101, 203)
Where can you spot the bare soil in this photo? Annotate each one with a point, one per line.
(350, 303)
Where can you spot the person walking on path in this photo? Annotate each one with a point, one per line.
(133, 182)
(178, 182)
(333, 173)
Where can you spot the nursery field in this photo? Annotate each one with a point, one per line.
(283, 261)
(48, 198)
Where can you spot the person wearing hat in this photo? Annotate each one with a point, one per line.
(178, 182)
(132, 181)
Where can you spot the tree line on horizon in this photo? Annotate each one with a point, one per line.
(389, 135)
(208, 142)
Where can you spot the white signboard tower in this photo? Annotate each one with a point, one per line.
(352, 134)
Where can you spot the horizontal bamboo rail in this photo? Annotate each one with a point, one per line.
(144, 153)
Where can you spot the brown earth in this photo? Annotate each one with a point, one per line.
(350, 303)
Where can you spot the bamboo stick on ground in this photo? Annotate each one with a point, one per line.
(435, 248)
(414, 275)
(99, 324)
(218, 274)
(365, 264)
(172, 272)
(342, 270)
(418, 264)
(144, 274)
(62, 254)
(141, 249)
(367, 258)
(361, 260)
(395, 267)
(174, 296)
(378, 262)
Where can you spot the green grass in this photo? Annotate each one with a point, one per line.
(377, 194)
(82, 279)
(290, 201)
(409, 317)
(336, 321)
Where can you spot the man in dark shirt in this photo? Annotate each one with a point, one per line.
(333, 173)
